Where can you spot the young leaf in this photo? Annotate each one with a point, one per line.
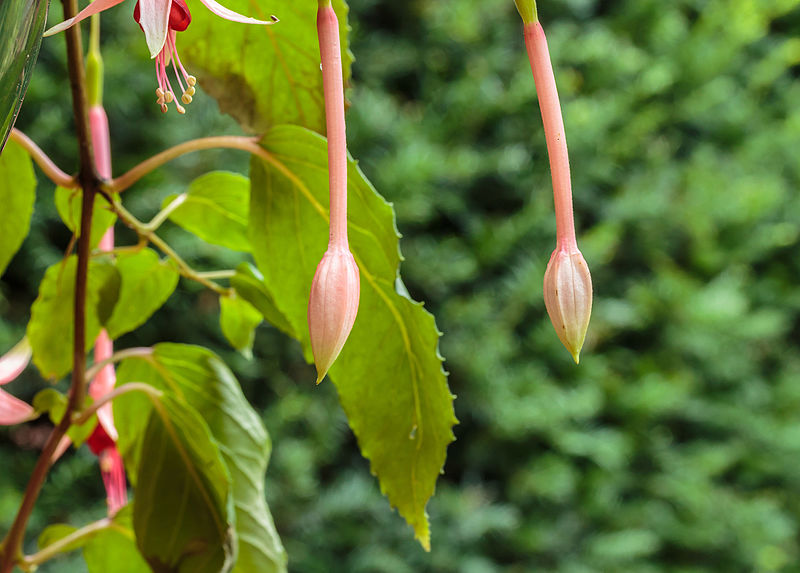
(238, 320)
(69, 202)
(146, 282)
(248, 283)
(17, 194)
(389, 374)
(264, 75)
(50, 330)
(181, 514)
(204, 381)
(215, 209)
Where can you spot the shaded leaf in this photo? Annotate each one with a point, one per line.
(215, 209)
(181, 515)
(264, 75)
(146, 282)
(203, 380)
(17, 194)
(238, 320)
(389, 374)
(249, 284)
(50, 330)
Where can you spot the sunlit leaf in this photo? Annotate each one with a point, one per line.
(249, 284)
(264, 75)
(389, 374)
(113, 550)
(215, 209)
(146, 282)
(17, 194)
(51, 330)
(238, 320)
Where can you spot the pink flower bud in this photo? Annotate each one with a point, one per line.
(568, 297)
(332, 306)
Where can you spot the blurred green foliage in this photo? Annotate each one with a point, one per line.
(675, 446)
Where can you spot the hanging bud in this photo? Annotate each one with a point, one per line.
(332, 306)
(568, 297)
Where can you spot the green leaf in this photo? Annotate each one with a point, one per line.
(113, 550)
(146, 282)
(17, 194)
(57, 532)
(50, 330)
(248, 283)
(264, 75)
(238, 320)
(215, 208)
(389, 374)
(68, 204)
(203, 380)
(21, 26)
(54, 403)
(181, 514)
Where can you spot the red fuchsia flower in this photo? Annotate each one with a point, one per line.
(335, 291)
(111, 467)
(567, 282)
(13, 410)
(160, 20)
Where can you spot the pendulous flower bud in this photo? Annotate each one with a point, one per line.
(568, 297)
(332, 306)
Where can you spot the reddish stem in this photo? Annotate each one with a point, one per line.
(543, 76)
(333, 86)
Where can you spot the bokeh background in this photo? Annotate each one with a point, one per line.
(674, 446)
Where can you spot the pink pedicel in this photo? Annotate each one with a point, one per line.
(13, 410)
(335, 291)
(567, 283)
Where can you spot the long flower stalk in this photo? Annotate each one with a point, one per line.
(567, 282)
(335, 290)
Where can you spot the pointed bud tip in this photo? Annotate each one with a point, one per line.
(568, 297)
(332, 306)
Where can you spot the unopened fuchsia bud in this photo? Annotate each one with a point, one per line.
(332, 306)
(567, 283)
(335, 291)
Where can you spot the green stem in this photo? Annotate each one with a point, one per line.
(164, 214)
(32, 561)
(117, 357)
(151, 392)
(183, 267)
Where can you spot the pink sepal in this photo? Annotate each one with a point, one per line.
(229, 14)
(94, 8)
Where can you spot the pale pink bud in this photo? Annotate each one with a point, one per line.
(568, 297)
(332, 306)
